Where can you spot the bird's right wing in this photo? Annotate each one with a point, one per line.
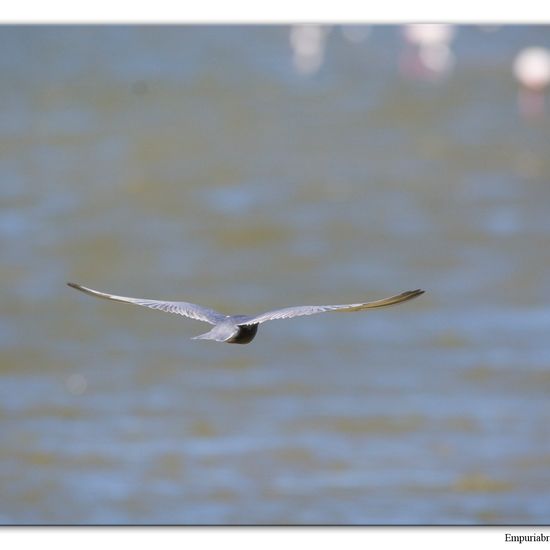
(297, 311)
(186, 309)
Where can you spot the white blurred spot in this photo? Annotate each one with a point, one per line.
(308, 46)
(532, 68)
(355, 33)
(76, 384)
(427, 52)
(429, 34)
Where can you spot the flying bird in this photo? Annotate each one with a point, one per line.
(241, 329)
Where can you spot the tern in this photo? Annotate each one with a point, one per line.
(241, 329)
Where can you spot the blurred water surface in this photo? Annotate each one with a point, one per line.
(208, 164)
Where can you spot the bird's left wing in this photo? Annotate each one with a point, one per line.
(298, 311)
(193, 311)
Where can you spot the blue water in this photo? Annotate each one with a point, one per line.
(209, 164)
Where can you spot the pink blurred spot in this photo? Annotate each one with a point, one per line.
(427, 54)
(532, 70)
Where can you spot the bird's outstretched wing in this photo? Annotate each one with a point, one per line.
(297, 311)
(192, 311)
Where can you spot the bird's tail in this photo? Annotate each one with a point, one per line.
(218, 334)
(206, 336)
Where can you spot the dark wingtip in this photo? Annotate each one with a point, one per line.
(414, 293)
(74, 285)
